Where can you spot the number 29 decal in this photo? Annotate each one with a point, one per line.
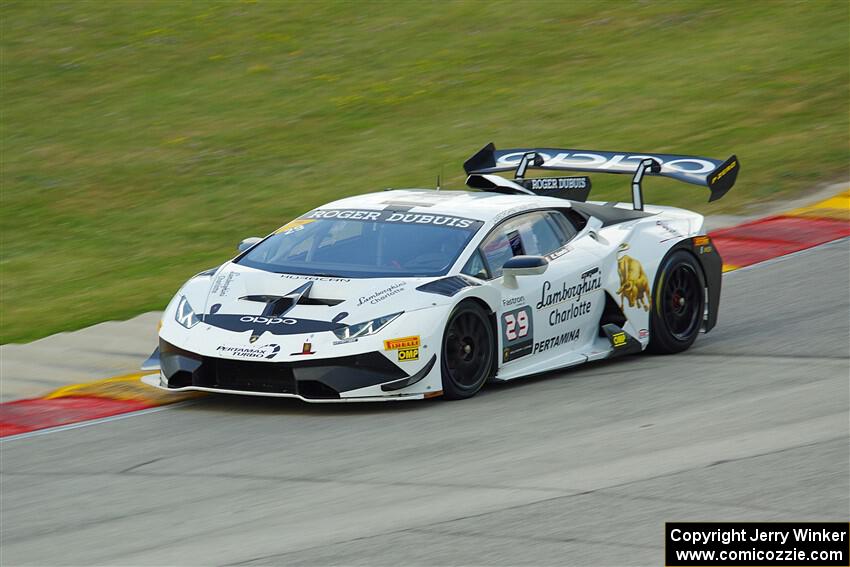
(517, 333)
(516, 324)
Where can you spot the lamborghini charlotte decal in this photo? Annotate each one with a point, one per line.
(590, 281)
(379, 296)
(517, 333)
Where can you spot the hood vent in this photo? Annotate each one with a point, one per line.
(277, 305)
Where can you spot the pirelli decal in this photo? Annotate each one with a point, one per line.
(402, 343)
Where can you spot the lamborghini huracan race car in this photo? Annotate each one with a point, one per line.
(410, 294)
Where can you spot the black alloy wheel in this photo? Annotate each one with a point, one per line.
(679, 304)
(468, 351)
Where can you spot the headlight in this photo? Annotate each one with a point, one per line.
(364, 329)
(185, 315)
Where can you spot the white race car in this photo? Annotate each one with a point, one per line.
(410, 294)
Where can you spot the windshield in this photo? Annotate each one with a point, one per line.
(362, 244)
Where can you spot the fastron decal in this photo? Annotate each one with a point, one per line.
(518, 300)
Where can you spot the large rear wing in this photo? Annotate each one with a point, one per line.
(718, 176)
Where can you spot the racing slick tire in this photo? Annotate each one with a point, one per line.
(468, 351)
(678, 304)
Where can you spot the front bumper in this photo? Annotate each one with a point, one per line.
(315, 380)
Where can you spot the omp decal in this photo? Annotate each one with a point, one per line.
(517, 333)
(618, 339)
(293, 226)
(558, 340)
(403, 342)
(408, 354)
(701, 240)
(634, 285)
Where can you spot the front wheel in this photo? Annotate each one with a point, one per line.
(678, 304)
(468, 351)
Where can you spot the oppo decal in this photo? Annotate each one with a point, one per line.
(268, 320)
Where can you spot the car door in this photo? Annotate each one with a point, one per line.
(547, 319)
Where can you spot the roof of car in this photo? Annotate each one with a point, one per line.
(478, 205)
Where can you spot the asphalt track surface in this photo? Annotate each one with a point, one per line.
(572, 468)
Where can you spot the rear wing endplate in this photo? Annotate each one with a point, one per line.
(718, 176)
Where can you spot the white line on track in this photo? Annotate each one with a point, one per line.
(70, 426)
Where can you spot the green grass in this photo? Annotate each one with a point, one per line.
(142, 140)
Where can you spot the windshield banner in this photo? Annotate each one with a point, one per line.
(394, 217)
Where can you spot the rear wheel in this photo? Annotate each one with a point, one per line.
(678, 304)
(468, 351)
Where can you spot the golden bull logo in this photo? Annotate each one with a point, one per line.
(634, 284)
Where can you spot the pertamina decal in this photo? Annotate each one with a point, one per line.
(556, 341)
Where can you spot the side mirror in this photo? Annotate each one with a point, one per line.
(522, 266)
(248, 243)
